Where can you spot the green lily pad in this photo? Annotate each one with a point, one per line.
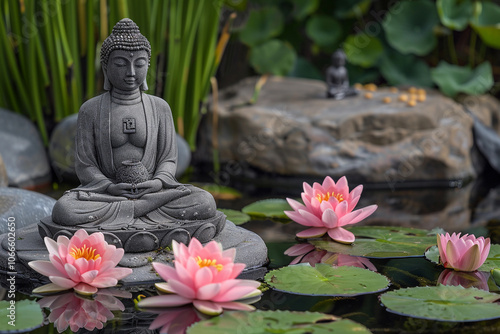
(26, 317)
(443, 303)
(273, 57)
(324, 31)
(268, 208)
(325, 280)
(276, 322)
(351, 9)
(237, 217)
(495, 273)
(303, 8)
(400, 69)
(220, 192)
(410, 28)
(363, 50)
(305, 69)
(262, 25)
(382, 242)
(487, 23)
(492, 262)
(455, 14)
(453, 79)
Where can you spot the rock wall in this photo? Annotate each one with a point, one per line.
(294, 130)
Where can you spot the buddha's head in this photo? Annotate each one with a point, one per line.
(338, 58)
(125, 57)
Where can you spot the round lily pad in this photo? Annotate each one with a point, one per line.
(453, 79)
(487, 23)
(324, 31)
(262, 24)
(363, 50)
(273, 57)
(492, 261)
(455, 14)
(400, 69)
(325, 280)
(443, 303)
(237, 217)
(276, 322)
(410, 28)
(382, 242)
(26, 316)
(268, 208)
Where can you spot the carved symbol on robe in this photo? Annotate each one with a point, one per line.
(128, 125)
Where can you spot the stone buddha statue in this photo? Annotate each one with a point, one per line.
(337, 78)
(126, 158)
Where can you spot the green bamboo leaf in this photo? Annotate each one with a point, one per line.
(443, 303)
(410, 29)
(325, 280)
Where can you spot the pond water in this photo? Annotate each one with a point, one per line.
(472, 208)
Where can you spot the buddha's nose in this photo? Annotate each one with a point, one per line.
(131, 71)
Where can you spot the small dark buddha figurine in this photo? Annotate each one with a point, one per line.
(337, 78)
(126, 156)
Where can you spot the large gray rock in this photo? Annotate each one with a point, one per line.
(23, 152)
(294, 130)
(62, 150)
(4, 180)
(23, 206)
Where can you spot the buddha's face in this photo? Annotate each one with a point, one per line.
(127, 70)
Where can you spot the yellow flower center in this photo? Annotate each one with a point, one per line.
(326, 197)
(208, 263)
(88, 253)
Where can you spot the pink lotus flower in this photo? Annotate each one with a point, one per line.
(71, 310)
(307, 253)
(204, 276)
(327, 208)
(83, 263)
(464, 253)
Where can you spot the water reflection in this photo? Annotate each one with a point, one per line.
(175, 320)
(307, 253)
(76, 311)
(475, 279)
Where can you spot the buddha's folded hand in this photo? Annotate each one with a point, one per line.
(119, 189)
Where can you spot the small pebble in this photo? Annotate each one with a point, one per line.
(421, 98)
(358, 86)
(412, 90)
(421, 91)
(371, 87)
(411, 103)
(368, 95)
(403, 97)
(393, 89)
(387, 99)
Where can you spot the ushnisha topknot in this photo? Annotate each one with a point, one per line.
(125, 36)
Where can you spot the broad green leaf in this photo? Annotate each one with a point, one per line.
(495, 273)
(268, 208)
(455, 14)
(324, 31)
(273, 57)
(325, 280)
(351, 9)
(363, 50)
(453, 79)
(27, 315)
(400, 69)
(220, 192)
(276, 322)
(262, 25)
(492, 261)
(358, 74)
(302, 8)
(487, 23)
(443, 303)
(409, 27)
(237, 217)
(238, 5)
(382, 242)
(304, 69)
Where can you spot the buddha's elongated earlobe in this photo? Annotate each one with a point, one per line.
(107, 84)
(144, 86)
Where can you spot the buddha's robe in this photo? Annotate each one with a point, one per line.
(90, 204)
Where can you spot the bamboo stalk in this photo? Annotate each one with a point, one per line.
(90, 50)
